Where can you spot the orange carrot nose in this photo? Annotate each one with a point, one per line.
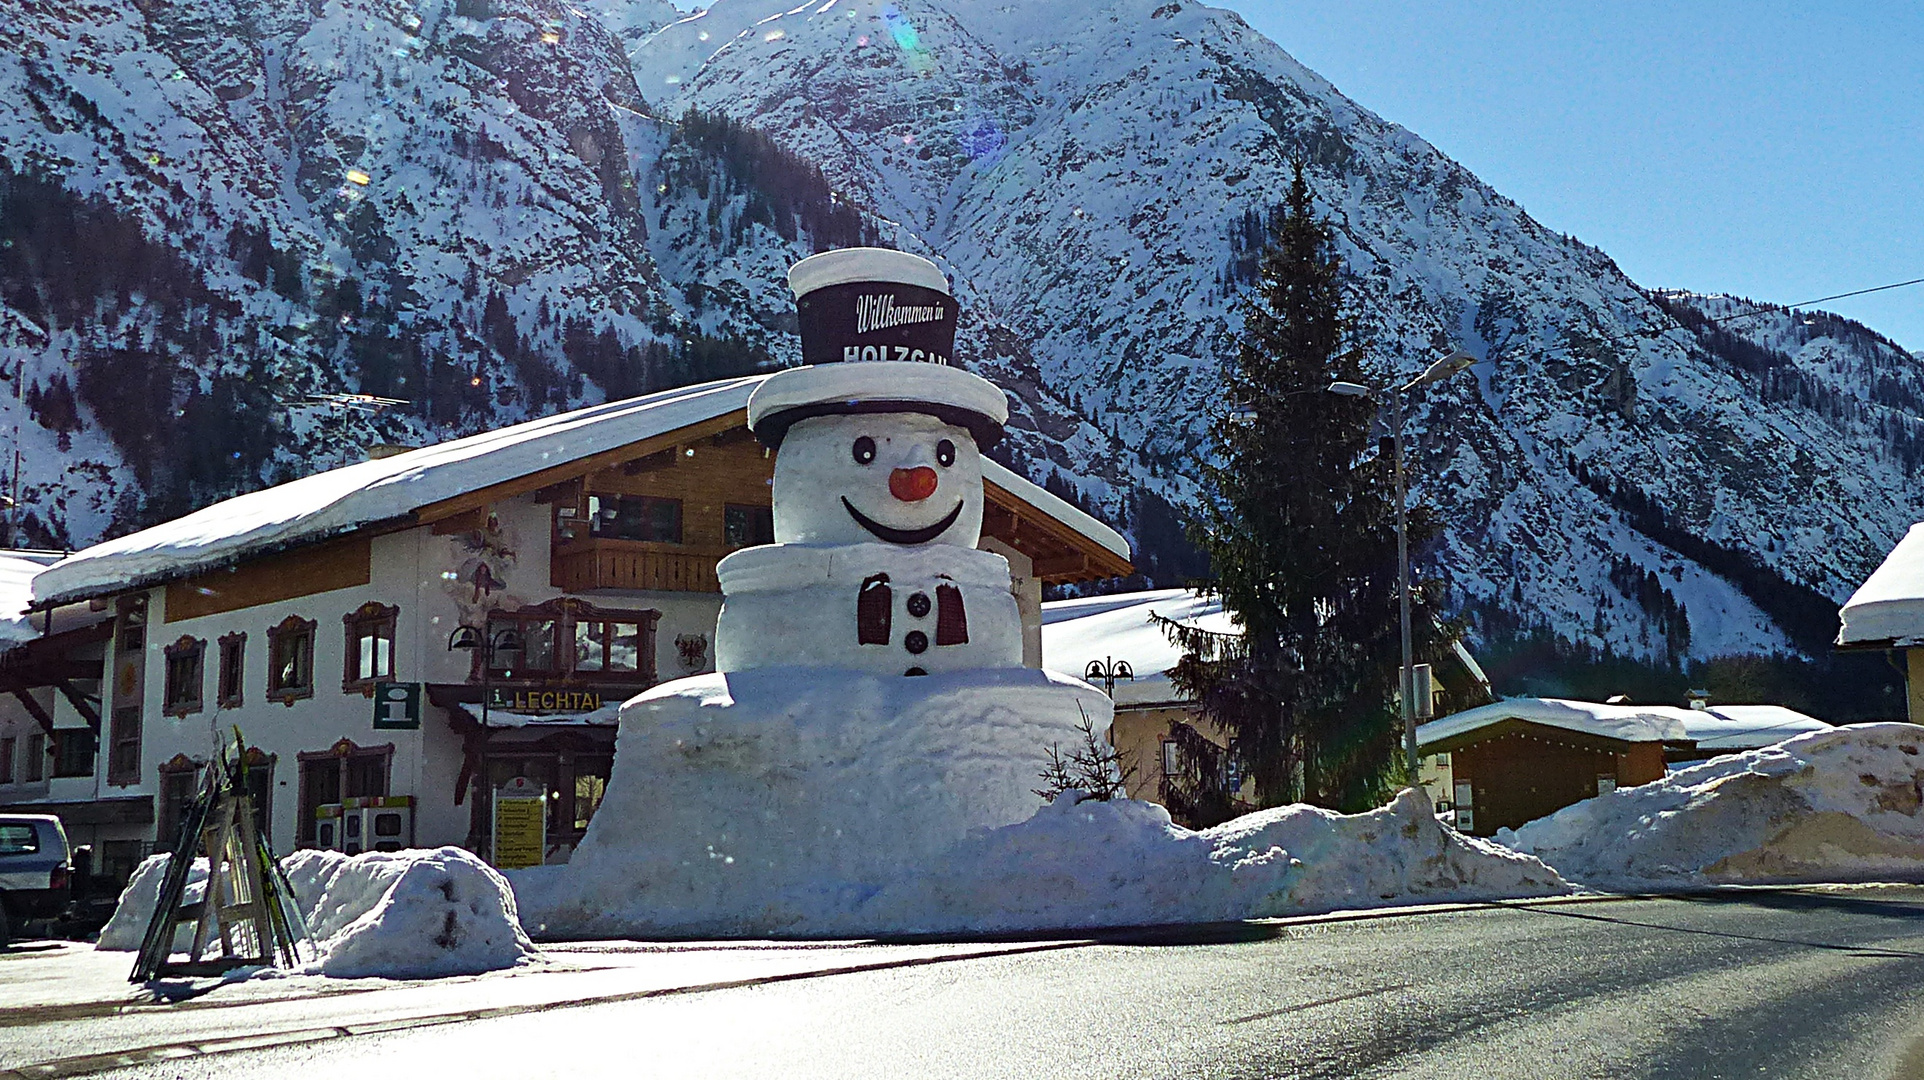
(912, 485)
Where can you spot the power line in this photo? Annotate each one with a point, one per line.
(1648, 333)
(1759, 309)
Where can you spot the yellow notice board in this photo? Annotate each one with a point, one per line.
(520, 824)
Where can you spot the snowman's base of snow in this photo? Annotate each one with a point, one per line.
(778, 800)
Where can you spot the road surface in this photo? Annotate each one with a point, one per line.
(1806, 983)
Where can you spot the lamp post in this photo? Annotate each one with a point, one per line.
(1108, 670)
(468, 639)
(1450, 365)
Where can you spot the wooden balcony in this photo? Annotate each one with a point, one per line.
(634, 564)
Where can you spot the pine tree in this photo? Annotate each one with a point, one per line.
(1297, 516)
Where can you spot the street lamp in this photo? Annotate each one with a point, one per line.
(1108, 669)
(468, 639)
(1450, 365)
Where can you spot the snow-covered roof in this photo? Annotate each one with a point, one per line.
(17, 570)
(389, 489)
(342, 500)
(1117, 627)
(1630, 723)
(1889, 607)
(1035, 495)
(1746, 727)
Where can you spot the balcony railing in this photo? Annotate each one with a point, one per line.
(631, 564)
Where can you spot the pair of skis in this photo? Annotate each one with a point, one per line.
(248, 904)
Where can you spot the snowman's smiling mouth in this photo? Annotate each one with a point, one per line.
(902, 536)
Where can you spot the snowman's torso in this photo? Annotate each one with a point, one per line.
(880, 608)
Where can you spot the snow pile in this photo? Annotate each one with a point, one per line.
(123, 932)
(1093, 864)
(405, 914)
(769, 800)
(1832, 805)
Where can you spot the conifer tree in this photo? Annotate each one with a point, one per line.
(1297, 516)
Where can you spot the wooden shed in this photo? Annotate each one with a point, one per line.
(1518, 760)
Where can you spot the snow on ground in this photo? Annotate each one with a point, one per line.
(1092, 864)
(407, 914)
(1836, 805)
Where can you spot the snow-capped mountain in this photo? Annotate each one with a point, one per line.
(498, 207)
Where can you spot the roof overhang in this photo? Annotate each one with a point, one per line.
(1066, 544)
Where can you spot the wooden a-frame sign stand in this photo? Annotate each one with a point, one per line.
(242, 904)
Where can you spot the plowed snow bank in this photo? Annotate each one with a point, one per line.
(1835, 805)
(1095, 864)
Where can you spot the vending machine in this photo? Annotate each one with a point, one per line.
(365, 823)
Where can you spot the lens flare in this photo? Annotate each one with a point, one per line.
(985, 141)
(907, 39)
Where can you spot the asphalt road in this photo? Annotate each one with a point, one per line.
(1812, 983)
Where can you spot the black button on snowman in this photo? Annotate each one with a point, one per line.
(878, 482)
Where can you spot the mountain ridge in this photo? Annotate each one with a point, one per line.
(539, 205)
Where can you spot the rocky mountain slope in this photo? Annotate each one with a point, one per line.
(494, 208)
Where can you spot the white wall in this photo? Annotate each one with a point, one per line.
(432, 580)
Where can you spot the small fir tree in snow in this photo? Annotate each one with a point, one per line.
(1298, 518)
(1094, 768)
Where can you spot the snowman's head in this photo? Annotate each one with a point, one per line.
(890, 477)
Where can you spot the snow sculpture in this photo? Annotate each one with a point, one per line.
(869, 707)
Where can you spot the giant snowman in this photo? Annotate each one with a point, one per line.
(870, 707)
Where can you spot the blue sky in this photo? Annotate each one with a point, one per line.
(1767, 149)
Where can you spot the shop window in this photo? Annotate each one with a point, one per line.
(184, 676)
(73, 750)
(635, 517)
(118, 858)
(588, 793)
(569, 637)
(608, 645)
(343, 771)
(370, 645)
(233, 669)
(536, 656)
(290, 660)
(6, 761)
(748, 526)
(36, 763)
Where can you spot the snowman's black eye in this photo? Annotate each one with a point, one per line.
(945, 453)
(864, 450)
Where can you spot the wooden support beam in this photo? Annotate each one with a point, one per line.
(36, 710)
(467, 521)
(1062, 564)
(82, 704)
(582, 466)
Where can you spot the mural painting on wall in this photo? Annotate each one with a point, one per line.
(484, 561)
